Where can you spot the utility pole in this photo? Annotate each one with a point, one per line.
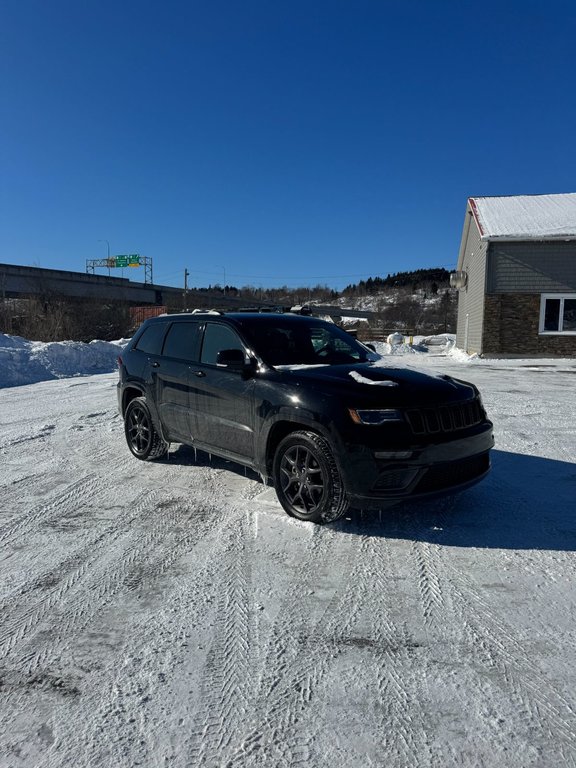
(186, 273)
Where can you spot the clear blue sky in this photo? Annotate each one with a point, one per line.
(271, 142)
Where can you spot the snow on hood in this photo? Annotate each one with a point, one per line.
(364, 380)
(299, 366)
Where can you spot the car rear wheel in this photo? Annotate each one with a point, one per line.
(306, 478)
(142, 437)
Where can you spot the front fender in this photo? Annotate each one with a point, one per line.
(281, 421)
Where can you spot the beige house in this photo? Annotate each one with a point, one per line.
(516, 276)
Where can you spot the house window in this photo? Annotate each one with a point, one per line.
(558, 313)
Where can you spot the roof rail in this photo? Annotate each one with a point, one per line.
(206, 312)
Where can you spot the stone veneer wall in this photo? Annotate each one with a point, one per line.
(511, 322)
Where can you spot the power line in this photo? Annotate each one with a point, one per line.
(307, 277)
(292, 279)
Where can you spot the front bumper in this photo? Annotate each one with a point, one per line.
(432, 470)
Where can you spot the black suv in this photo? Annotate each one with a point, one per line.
(304, 404)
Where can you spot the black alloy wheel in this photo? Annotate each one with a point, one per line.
(307, 480)
(142, 437)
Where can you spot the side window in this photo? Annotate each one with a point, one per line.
(569, 316)
(326, 342)
(182, 341)
(151, 340)
(340, 345)
(552, 315)
(320, 338)
(558, 313)
(216, 338)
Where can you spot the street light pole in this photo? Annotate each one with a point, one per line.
(108, 244)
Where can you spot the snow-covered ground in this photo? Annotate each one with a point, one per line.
(170, 614)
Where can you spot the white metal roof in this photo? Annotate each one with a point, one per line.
(526, 217)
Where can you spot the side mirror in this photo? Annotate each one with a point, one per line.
(234, 360)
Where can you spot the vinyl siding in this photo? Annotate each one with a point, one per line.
(471, 298)
(531, 267)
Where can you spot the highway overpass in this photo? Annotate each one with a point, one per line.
(18, 282)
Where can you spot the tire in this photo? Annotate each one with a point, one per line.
(306, 478)
(142, 437)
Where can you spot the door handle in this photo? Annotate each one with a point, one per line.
(155, 364)
(200, 374)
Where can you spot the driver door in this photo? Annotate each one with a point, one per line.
(223, 401)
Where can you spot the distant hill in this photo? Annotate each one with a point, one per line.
(418, 278)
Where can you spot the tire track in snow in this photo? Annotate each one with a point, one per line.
(95, 580)
(385, 650)
(15, 437)
(154, 640)
(59, 506)
(117, 578)
(84, 588)
(396, 681)
(303, 650)
(107, 427)
(94, 587)
(429, 583)
(228, 678)
(491, 642)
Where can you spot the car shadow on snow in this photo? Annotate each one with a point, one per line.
(526, 502)
(187, 456)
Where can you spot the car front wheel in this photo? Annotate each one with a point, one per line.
(306, 478)
(142, 437)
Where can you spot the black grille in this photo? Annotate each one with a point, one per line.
(395, 479)
(455, 473)
(445, 418)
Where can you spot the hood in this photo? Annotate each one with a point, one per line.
(375, 383)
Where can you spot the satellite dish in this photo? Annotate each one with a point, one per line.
(458, 279)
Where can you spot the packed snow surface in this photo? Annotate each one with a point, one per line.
(171, 614)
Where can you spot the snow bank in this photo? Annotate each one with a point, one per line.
(27, 362)
(460, 356)
(440, 344)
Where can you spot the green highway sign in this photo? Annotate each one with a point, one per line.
(127, 260)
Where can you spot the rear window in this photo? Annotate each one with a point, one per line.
(151, 340)
(182, 341)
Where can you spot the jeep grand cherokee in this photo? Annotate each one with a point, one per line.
(305, 405)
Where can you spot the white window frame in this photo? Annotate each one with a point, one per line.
(562, 297)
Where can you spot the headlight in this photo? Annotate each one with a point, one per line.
(374, 418)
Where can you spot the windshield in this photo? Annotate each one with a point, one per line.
(310, 343)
